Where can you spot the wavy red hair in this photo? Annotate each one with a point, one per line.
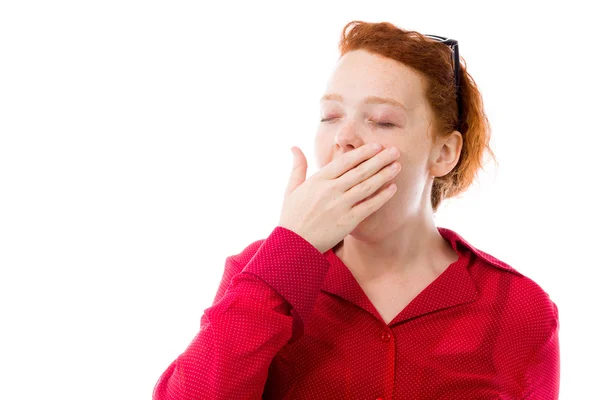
(433, 60)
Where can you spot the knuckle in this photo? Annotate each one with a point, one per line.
(328, 190)
(365, 187)
(362, 171)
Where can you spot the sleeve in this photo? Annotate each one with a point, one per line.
(261, 310)
(543, 368)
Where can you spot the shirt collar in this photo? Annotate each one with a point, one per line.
(455, 240)
(453, 287)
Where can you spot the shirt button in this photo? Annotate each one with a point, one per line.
(385, 336)
(379, 398)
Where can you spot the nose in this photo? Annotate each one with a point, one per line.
(348, 136)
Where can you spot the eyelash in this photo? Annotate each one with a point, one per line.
(381, 124)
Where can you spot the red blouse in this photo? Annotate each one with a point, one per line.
(289, 322)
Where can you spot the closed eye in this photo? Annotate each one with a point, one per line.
(326, 119)
(381, 124)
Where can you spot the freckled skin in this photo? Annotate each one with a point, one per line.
(402, 232)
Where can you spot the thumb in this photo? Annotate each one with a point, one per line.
(298, 170)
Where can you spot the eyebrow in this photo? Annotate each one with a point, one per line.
(368, 100)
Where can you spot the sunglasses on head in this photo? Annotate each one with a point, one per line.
(453, 44)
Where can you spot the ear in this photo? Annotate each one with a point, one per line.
(445, 154)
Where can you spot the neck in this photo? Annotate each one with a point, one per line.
(415, 247)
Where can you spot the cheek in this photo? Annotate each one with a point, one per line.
(413, 169)
(413, 151)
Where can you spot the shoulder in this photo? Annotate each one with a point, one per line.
(238, 261)
(519, 296)
(280, 240)
(234, 264)
(457, 240)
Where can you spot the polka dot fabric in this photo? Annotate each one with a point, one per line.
(288, 322)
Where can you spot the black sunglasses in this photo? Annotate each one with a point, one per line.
(453, 44)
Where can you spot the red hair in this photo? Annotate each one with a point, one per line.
(433, 60)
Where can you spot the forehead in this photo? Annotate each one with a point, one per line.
(359, 74)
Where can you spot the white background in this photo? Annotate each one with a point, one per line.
(142, 142)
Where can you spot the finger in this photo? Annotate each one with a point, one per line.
(299, 167)
(348, 161)
(366, 170)
(371, 187)
(367, 207)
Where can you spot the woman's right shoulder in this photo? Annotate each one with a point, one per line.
(280, 236)
(234, 264)
(242, 258)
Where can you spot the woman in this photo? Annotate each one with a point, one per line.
(356, 294)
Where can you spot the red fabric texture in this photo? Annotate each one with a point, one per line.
(288, 322)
